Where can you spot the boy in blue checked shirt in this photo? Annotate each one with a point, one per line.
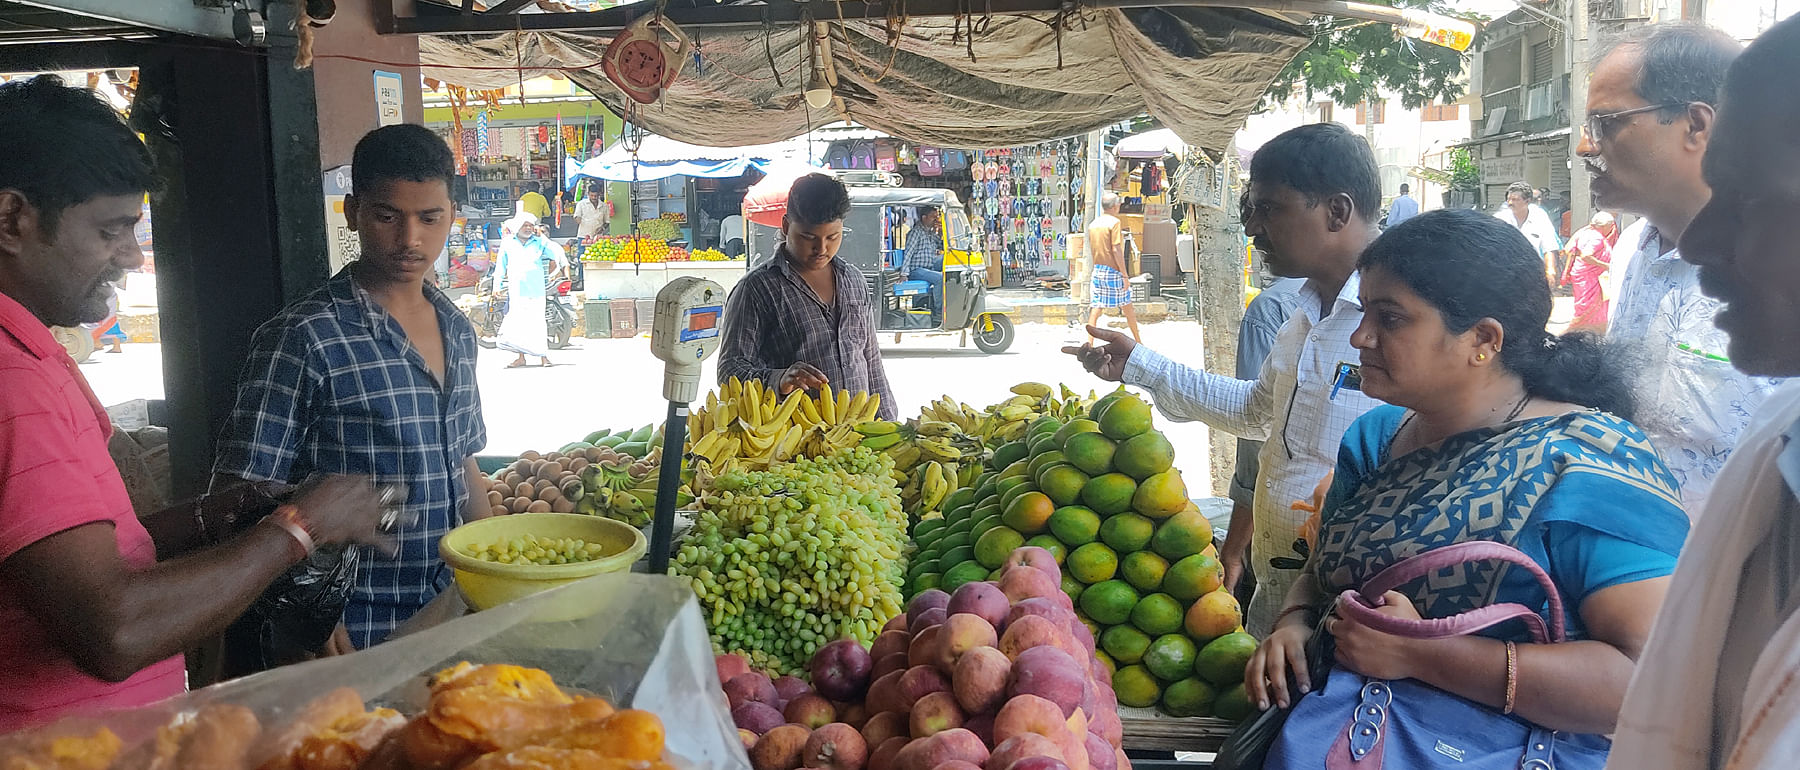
(374, 373)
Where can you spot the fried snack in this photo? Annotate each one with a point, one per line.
(329, 709)
(91, 751)
(334, 732)
(475, 710)
(427, 748)
(632, 735)
(346, 744)
(388, 755)
(548, 758)
(219, 738)
(501, 711)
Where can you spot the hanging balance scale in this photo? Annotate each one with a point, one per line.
(640, 63)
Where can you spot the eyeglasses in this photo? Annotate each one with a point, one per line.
(1597, 124)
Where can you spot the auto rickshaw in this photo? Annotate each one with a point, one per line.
(875, 244)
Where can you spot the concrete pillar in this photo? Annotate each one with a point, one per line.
(1581, 49)
(346, 87)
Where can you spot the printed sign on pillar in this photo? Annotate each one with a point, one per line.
(389, 99)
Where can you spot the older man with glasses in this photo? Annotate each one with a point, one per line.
(1650, 114)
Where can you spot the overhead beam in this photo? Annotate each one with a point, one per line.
(507, 6)
(614, 19)
(181, 16)
(705, 17)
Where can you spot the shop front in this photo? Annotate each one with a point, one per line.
(1023, 201)
(684, 203)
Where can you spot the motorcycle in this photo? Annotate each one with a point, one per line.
(489, 310)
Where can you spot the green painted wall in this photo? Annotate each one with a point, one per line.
(572, 112)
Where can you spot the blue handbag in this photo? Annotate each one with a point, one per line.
(1357, 723)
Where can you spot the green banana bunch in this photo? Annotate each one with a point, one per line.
(883, 441)
(938, 449)
(878, 428)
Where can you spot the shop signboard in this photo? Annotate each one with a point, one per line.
(1503, 170)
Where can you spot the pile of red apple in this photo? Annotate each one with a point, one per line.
(997, 676)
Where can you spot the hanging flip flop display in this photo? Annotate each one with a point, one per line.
(1022, 201)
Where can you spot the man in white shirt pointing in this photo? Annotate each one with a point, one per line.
(1315, 194)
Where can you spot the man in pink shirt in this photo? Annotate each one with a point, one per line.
(92, 618)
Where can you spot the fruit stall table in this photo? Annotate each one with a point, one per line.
(623, 279)
(1146, 729)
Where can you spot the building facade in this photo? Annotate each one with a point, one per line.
(1411, 144)
(1521, 70)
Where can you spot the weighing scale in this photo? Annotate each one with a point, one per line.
(689, 314)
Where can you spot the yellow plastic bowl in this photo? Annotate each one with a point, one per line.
(487, 584)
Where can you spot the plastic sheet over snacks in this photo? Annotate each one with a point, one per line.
(637, 640)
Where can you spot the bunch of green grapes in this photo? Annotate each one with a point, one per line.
(787, 559)
(543, 551)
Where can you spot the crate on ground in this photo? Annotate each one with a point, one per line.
(646, 313)
(598, 320)
(624, 318)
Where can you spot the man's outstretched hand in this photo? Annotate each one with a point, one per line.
(1107, 361)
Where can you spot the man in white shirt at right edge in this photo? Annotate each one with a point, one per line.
(1314, 197)
(1650, 113)
(1718, 685)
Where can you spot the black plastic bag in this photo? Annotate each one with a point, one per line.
(1248, 746)
(295, 617)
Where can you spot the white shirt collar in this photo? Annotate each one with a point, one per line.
(1650, 242)
(1349, 297)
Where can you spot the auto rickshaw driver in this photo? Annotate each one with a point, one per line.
(925, 258)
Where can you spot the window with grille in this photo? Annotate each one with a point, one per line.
(1439, 112)
(1324, 112)
(1543, 67)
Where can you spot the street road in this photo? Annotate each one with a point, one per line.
(617, 383)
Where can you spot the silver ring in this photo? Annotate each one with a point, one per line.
(390, 518)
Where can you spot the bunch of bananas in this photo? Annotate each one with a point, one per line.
(1008, 420)
(931, 459)
(943, 450)
(748, 426)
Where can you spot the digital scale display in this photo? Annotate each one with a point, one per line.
(702, 323)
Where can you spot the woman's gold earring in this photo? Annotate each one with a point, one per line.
(1481, 356)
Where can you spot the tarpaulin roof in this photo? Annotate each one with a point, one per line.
(1198, 70)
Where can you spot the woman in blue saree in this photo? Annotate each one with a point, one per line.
(1497, 431)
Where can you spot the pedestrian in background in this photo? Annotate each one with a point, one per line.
(1532, 222)
(592, 213)
(1106, 241)
(1590, 256)
(533, 201)
(528, 262)
(1403, 207)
